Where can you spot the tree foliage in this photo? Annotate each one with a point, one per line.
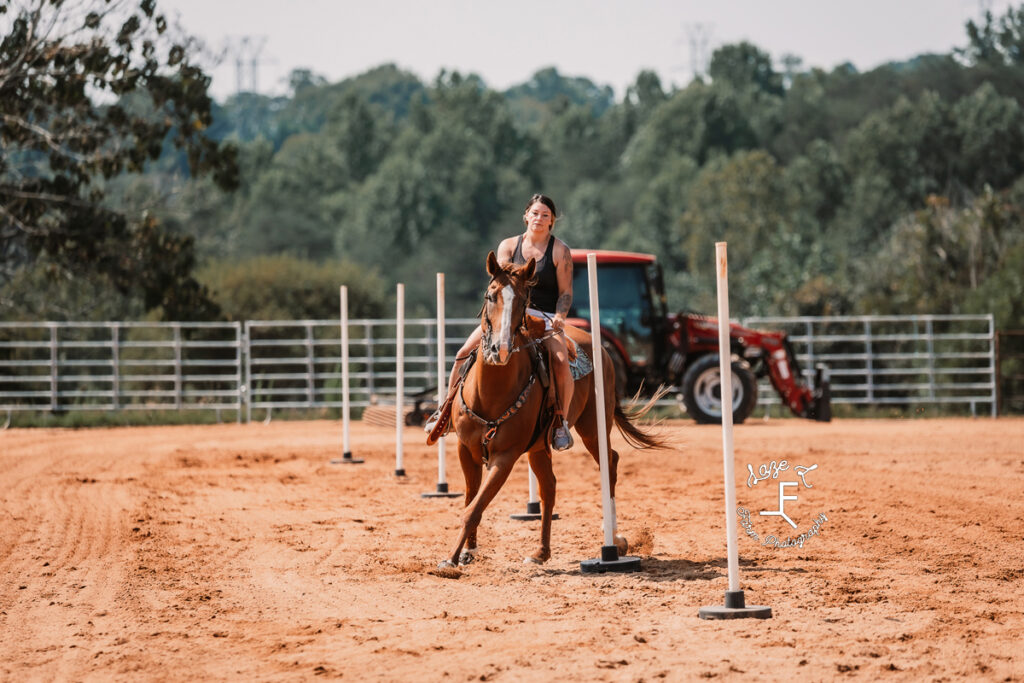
(285, 287)
(824, 183)
(89, 92)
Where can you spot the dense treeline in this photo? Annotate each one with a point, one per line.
(899, 190)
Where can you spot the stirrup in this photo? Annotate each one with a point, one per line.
(561, 439)
(431, 422)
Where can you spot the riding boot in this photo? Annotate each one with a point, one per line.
(444, 410)
(431, 422)
(561, 439)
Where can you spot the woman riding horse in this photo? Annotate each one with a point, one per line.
(550, 299)
(500, 406)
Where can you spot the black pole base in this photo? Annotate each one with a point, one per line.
(346, 459)
(735, 608)
(400, 473)
(611, 562)
(530, 516)
(441, 492)
(532, 513)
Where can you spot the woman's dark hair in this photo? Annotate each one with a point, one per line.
(545, 200)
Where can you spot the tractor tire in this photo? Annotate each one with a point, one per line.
(702, 392)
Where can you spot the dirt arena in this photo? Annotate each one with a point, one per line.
(239, 552)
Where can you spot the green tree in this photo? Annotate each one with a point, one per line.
(548, 92)
(896, 158)
(699, 122)
(285, 210)
(938, 258)
(740, 200)
(996, 42)
(990, 132)
(742, 65)
(361, 134)
(285, 287)
(59, 145)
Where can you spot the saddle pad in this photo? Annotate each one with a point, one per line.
(580, 366)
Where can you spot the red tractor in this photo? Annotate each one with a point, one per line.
(650, 347)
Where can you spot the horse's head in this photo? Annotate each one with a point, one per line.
(504, 307)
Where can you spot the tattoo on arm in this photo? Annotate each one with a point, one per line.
(564, 285)
(563, 304)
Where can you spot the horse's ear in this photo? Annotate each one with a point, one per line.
(492, 264)
(529, 269)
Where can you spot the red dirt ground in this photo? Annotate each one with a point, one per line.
(239, 552)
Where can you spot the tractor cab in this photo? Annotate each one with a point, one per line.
(633, 311)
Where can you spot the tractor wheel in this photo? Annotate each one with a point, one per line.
(702, 391)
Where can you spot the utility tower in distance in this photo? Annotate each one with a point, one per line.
(247, 52)
(699, 36)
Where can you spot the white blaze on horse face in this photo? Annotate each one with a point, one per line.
(505, 331)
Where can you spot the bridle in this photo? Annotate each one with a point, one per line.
(491, 426)
(520, 327)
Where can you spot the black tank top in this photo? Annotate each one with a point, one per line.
(544, 295)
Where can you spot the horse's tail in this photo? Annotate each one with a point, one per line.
(625, 419)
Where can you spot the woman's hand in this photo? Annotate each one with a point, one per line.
(558, 322)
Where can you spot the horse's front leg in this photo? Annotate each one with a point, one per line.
(497, 474)
(472, 472)
(540, 463)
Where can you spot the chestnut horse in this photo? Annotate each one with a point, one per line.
(497, 413)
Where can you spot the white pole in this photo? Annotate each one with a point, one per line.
(602, 428)
(725, 370)
(442, 380)
(345, 406)
(399, 377)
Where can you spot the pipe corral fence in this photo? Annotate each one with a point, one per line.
(264, 366)
(896, 360)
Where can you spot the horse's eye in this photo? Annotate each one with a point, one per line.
(491, 296)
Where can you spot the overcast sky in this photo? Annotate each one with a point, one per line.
(608, 41)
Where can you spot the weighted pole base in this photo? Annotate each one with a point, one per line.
(346, 459)
(735, 608)
(610, 562)
(532, 513)
(530, 516)
(400, 473)
(441, 492)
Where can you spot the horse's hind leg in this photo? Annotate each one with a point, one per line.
(540, 463)
(496, 476)
(590, 441)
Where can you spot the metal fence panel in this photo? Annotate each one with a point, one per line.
(65, 366)
(270, 365)
(297, 364)
(895, 360)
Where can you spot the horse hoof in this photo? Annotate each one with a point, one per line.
(622, 545)
(532, 560)
(467, 557)
(446, 564)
